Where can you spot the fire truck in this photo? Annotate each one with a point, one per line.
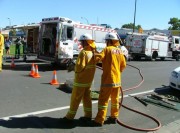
(58, 39)
(152, 46)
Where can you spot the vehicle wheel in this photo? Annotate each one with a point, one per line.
(137, 58)
(53, 64)
(177, 57)
(162, 58)
(129, 59)
(154, 55)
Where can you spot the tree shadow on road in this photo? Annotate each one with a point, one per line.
(41, 123)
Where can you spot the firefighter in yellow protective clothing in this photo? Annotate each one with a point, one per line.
(84, 74)
(1, 49)
(113, 64)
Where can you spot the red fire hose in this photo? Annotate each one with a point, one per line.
(120, 103)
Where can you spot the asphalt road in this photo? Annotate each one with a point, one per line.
(29, 105)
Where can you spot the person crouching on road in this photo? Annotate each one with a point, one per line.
(84, 73)
(113, 64)
(1, 49)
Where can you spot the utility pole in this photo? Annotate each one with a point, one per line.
(134, 16)
(9, 22)
(97, 21)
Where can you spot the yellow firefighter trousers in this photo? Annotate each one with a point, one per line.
(78, 94)
(105, 94)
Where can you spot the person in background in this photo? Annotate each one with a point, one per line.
(24, 45)
(113, 64)
(23, 42)
(84, 73)
(1, 49)
(17, 47)
(7, 46)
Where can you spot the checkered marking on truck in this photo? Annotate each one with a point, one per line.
(94, 28)
(64, 60)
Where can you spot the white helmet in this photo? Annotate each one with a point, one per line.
(111, 36)
(85, 37)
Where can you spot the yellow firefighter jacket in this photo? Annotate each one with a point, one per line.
(84, 68)
(1, 44)
(113, 63)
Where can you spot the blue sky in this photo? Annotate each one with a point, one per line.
(149, 13)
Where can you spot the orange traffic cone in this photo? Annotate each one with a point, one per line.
(54, 79)
(12, 63)
(32, 70)
(36, 74)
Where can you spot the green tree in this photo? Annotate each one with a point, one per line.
(130, 26)
(12, 32)
(175, 24)
(116, 29)
(138, 27)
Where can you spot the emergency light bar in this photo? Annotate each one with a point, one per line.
(50, 19)
(61, 19)
(159, 38)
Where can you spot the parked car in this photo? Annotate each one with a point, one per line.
(174, 81)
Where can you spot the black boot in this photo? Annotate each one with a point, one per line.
(85, 119)
(95, 124)
(111, 120)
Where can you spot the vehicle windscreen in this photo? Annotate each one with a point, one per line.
(67, 33)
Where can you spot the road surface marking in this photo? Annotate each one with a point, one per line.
(62, 108)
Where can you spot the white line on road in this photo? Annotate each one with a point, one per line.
(61, 108)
